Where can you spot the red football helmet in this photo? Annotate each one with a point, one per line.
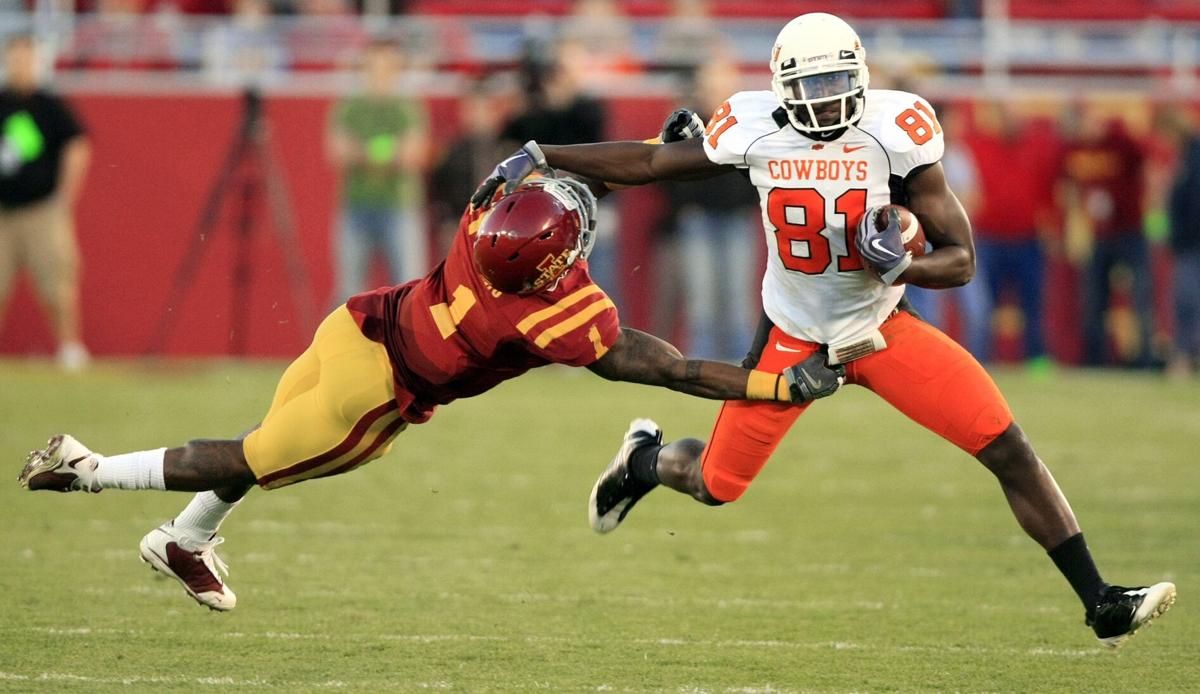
(532, 235)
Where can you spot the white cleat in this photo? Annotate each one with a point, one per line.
(64, 465)
(193, 563)
(616, 491)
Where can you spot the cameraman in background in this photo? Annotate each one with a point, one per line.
(44, 155)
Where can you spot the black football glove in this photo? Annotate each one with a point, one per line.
(511, 171)
(813, 378)
(682, 124)
(884, 250)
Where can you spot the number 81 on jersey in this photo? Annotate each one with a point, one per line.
(798, 216)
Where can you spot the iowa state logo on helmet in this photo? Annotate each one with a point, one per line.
(551, 267)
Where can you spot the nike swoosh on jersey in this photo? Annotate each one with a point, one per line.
(848, 149)
(781, 348)
(875, 243)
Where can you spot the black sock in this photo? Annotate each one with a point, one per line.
(1075, 562)
(643, 464)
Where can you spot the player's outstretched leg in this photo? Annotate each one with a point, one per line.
(619, 487)
(184, 547)
(66, 465)
(1115, 613)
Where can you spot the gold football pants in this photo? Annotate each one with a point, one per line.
(334, 409)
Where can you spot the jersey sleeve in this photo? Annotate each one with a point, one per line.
(910, 132)
(736, 124)
(576, 330)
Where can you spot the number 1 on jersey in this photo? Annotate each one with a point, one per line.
(448, 316)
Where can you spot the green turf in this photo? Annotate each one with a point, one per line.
(869, 556)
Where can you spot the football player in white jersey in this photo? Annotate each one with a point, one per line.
(826, 152)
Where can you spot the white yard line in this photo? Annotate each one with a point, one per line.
(535, 638)
(156, 679)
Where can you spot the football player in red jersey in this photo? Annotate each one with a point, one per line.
(826, 153)
(513, 294)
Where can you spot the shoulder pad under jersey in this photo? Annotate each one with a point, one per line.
(737, 123)
(906, 126)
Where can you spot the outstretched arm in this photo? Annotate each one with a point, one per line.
(633, 163)
(952, 261)
(638, 357)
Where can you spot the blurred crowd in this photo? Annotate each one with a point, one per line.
(1080, 210)
(263, 36)
(1086, 212)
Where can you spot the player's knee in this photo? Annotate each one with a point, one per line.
(694, 449)
(221, 462)
(707, 498)
(1010, 455)
(717, 488)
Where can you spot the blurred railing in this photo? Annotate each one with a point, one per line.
(302, 53)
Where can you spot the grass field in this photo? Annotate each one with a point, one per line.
(464, 562)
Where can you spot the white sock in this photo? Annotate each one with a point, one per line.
(203, 515)
(140, 470)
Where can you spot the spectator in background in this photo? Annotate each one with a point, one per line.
(468, 159)
(1016, 165)
(118, 35)
(974, 299)
(43, 158)
(1103, 178)
(718, 240)
(555, 110)
(1184, 211)
(246, 50)
(325, 34)
(597, 43)
(377, 141)
(687, 37)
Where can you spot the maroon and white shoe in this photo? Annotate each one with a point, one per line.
(193, 563)
(64, 465)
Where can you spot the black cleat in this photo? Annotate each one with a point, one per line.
(617, 491)
(1122, 611)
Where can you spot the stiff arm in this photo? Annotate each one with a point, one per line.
(635, 163)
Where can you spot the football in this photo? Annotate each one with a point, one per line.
(910, 228)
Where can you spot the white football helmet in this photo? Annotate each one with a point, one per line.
(819, 73)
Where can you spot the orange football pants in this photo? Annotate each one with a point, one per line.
(922, 373)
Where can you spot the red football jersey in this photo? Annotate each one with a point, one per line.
(450, 335)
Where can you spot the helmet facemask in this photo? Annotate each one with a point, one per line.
(575, 196)
(822, 102)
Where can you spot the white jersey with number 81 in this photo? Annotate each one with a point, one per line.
(812, 196)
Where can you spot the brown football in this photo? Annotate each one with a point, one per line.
(910, 228)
